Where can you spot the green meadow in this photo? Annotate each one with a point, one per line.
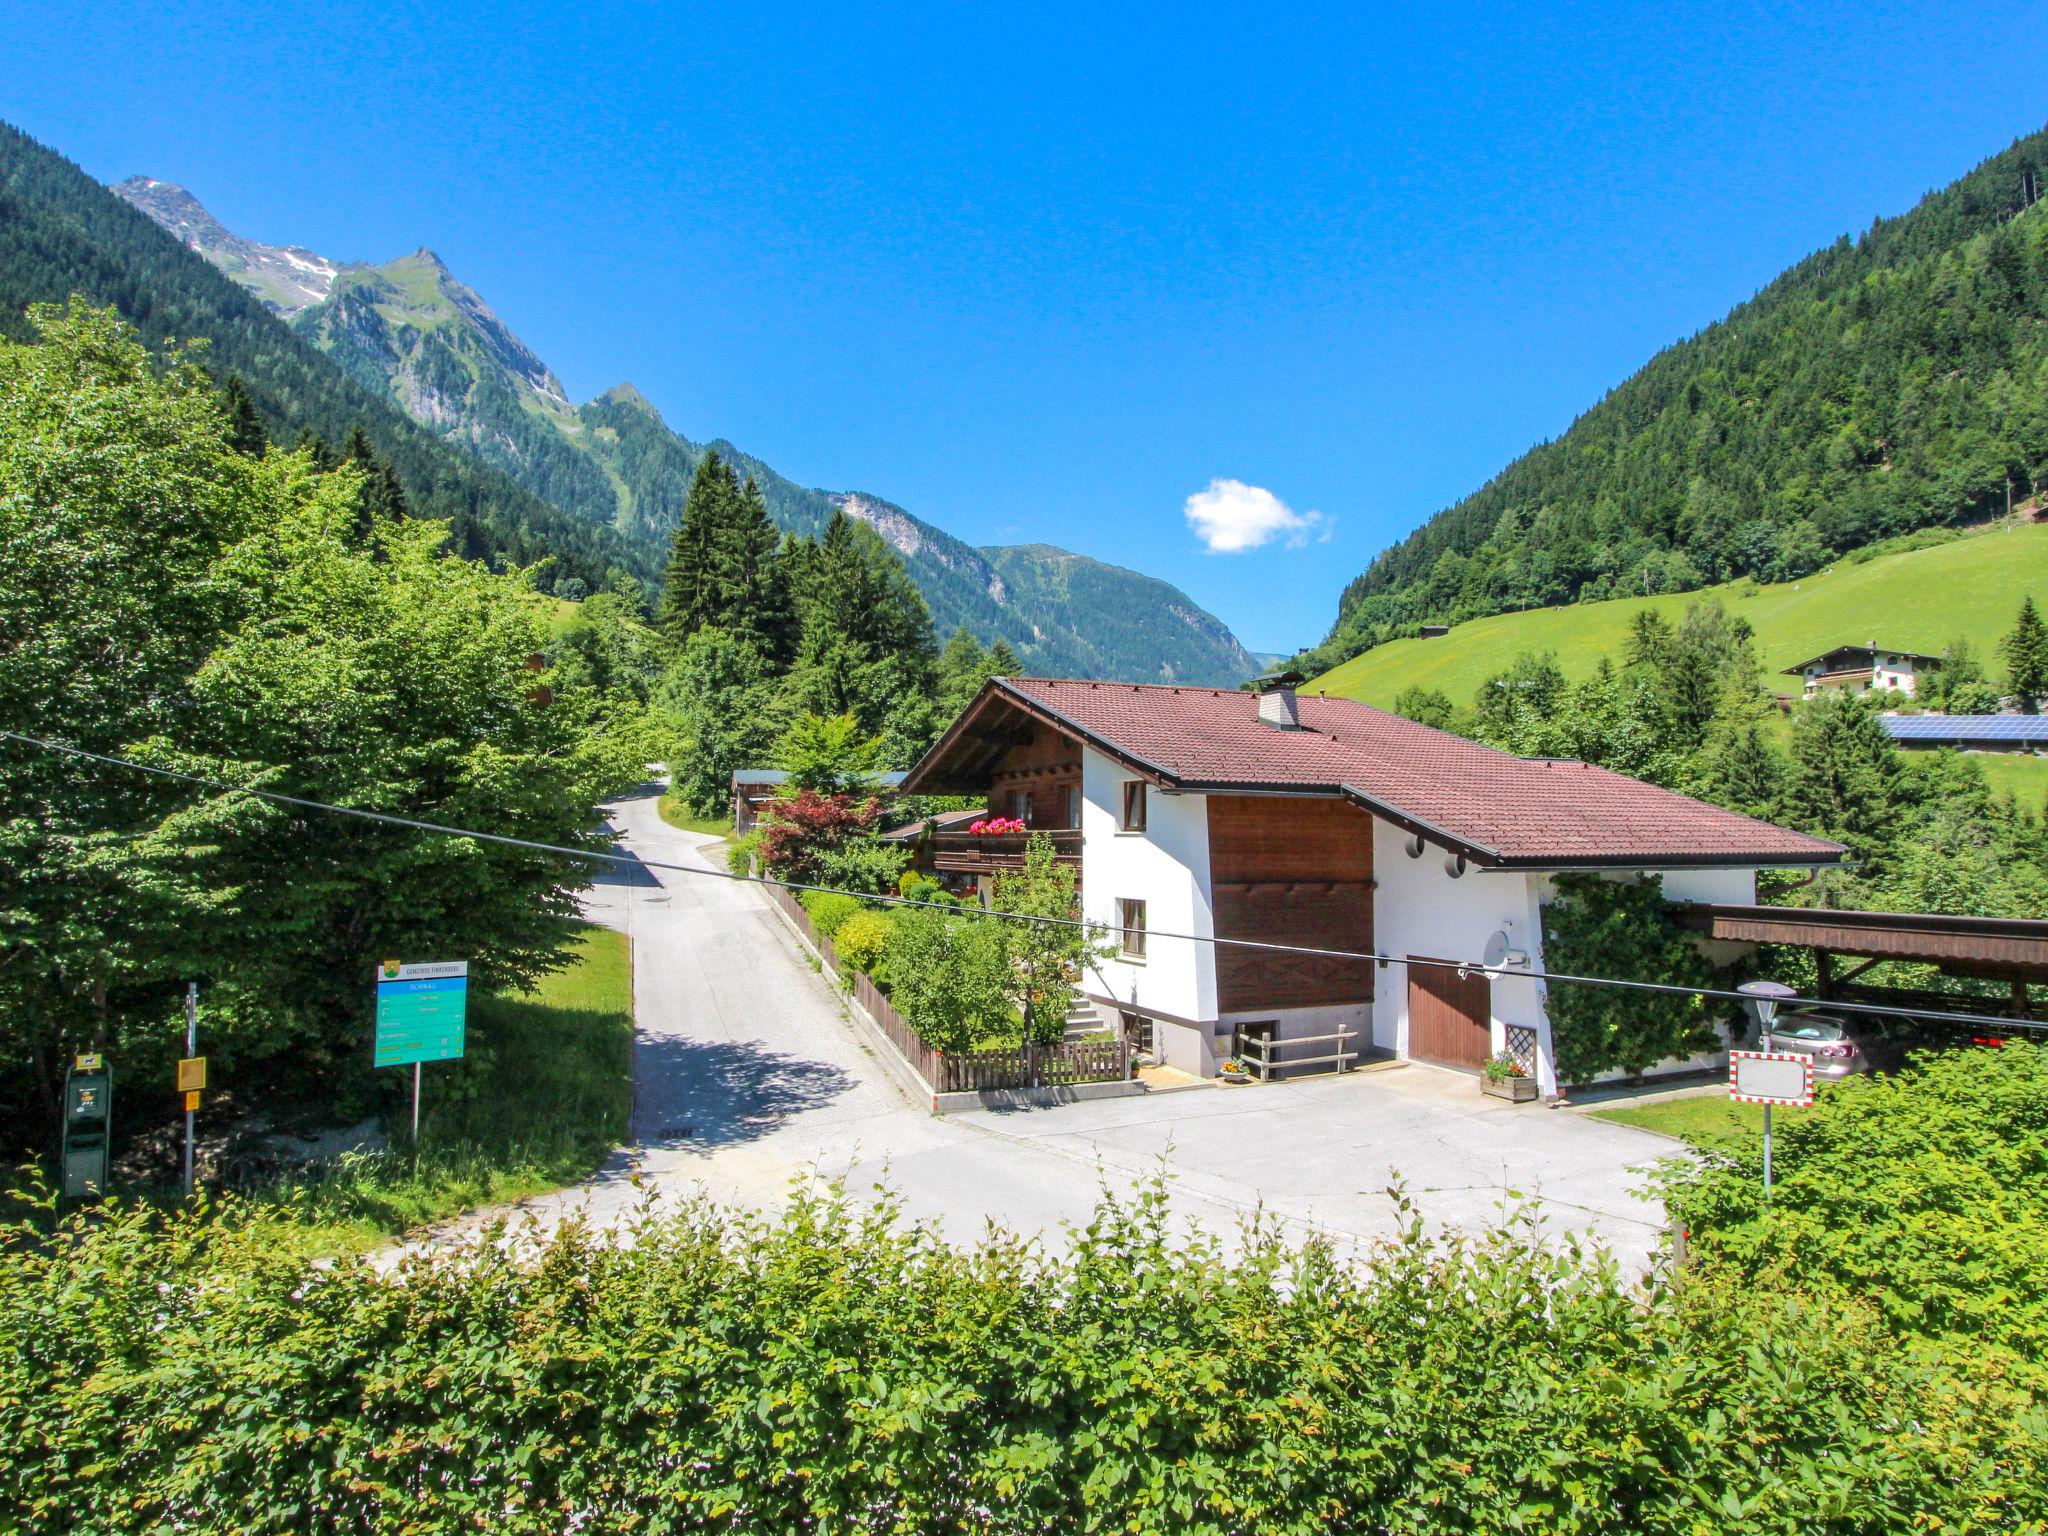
(1919, 600)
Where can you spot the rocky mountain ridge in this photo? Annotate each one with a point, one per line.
(413, 333)
(287, 278)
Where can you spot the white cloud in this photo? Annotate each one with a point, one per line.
(1231, 517)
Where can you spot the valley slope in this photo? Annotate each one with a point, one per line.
(1889, 382)
(410, 331)
(1920, 600)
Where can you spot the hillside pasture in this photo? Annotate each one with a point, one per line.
(1918, 600)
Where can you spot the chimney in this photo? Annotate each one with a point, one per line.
(1277, 704)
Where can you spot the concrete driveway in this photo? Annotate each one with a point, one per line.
(750, 1076)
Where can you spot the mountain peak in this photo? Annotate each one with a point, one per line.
(287, 278)
(626, 395)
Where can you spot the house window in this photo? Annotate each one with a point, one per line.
(1072, 797)
(1130, 922)
(1134, 806)
(1020, 805)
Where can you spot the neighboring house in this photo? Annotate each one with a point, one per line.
(1862, 668)
(753, 788)
(1323, 823)
(1969, 733)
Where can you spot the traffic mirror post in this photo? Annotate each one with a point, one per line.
(1760, 1076)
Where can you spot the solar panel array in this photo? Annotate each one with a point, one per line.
(2005, 729)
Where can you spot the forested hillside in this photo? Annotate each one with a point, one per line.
(63, 233)
(414, 335)
(1889, 382)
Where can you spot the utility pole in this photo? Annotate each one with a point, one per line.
(191, 1049)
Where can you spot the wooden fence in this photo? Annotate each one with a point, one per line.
(1059, 1065)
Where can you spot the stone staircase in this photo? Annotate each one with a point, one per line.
(1084, 1023)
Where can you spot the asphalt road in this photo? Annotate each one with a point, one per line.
(750, 1077)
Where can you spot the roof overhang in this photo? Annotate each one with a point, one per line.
(962, 761)
(1798, 668)
(2002, 946)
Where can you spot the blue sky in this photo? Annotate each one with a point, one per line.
(1044, 274)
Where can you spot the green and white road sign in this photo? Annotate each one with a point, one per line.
(421, 1010)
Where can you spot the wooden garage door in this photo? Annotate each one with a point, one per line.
(1449, 1016)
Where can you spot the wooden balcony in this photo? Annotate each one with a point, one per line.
(972, 853)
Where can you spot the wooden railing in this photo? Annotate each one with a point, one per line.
(974, 852)
(1061, 1064)
(1263, 1059)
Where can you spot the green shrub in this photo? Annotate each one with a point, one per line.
(834, 1370)
(1924, 1191)
(828, 910)
(863, 939)
(950, 977)
(1599, 927)
(742, 851)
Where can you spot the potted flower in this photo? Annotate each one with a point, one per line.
(1234, 1071)
(1505, 1078)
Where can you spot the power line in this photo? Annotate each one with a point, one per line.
(634, 860)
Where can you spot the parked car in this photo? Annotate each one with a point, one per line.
(1824, 1037)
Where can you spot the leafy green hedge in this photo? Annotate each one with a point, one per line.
(828, 910)
(1925, 1192)
(837, 1371)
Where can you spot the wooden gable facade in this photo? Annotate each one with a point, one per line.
(1037, 780)
(1290, 870)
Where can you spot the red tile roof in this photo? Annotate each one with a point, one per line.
(1499, 808)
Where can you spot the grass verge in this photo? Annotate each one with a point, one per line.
(542, 1095)
(677, 814)
(1703, 1119)
(540, 1098)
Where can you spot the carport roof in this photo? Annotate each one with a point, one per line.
(1499, 810)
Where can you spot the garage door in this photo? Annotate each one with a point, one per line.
(1449, 1016)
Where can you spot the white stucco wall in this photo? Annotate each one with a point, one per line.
(1167, 868)
(1419, 909)
(1730, 887)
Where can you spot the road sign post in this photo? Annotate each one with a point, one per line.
(421, 1017)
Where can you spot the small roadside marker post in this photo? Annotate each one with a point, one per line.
(191, 1090)
(1765, 1076)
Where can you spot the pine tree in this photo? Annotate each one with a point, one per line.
(1845, 774)
(309, 441)
(963, 668)
(1742, 770)
(2025, 651)
(382, 499)
(245, 427)
(689, 586)
(867, 648)
(1649, 640)
(754, 599)
(1002, 661)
